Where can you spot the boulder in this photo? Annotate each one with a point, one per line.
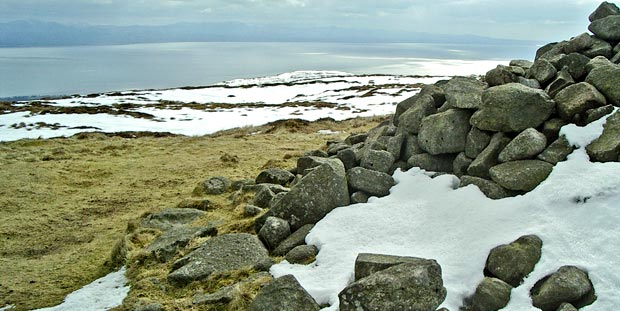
(562, 80)
(576, 64)
(579, 43)
(434, 91)
(543, 71)
(596, 62)
(320, 191)
(411, 146)
(348, 157)
(607, 28)
(407, 286)
(523, 175)
(568, 285)
(574, 100)
(490, 189)
(359, 197)
(606, 79)
(511, 263)
(297, 238)
(171, 217)
(460, 164)
(367, 264)
(409, 121)
(500, 75)
(274, 231)
(543, 50)
(215, 185)
(463, 92)
(488, 157)
(263, 196)
(302, 254)
(356, 139)
(306, 163)
(491, 294)
(606, 147)
(372, 182)
(316, 153)
(523, 63)
(445, 132)
(566, 307)
(526, 145)
(433, 163)
(166, 246)
(395, 145)
(476, 141)
(284, 293)
(533, 83)
(221, 254)
(333, 149)
(251, 210)
(377, 160)
(599, 48)
(275, 176)
(512, 107)
(557, 151)
(603, 10)
(592, 115)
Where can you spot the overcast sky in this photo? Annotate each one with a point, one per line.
(549, 20)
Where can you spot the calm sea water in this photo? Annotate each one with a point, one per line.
(72, 70)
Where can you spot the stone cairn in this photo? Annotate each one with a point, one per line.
(500, 133)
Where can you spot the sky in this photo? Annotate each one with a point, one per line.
(511, 19)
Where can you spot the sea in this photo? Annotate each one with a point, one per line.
(57, 71)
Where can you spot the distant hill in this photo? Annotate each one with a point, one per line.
(37, 33)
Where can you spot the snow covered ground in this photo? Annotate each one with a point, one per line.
(308, 95)
(430, 218)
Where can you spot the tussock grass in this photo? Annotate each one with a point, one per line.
(68, 207)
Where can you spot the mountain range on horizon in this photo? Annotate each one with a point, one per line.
(35, 33)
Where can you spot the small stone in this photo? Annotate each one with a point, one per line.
(566, 307)
(551, 128)
(557, 151)
(251, 210)
(526, 145)
(359, 197)
(523, 63)
(216, 185)
(460, 164)
(597, 113)
(489, 188)
(513, 262)
(562, 80)
(302, 254)
(284, 293)
(372, 182)
(297, 238)
(274, 231)
(275, 176)
(348, 157)
(356, 139)
(171, 217)
(533, 83)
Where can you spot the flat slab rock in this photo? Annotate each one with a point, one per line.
(171, 217)
(523, 175)
(220, 254)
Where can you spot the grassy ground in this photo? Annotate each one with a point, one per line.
(64, 203)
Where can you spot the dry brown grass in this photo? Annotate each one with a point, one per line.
(65, 203)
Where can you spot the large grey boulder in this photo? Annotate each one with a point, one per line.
(171, 217)
(438, 94)
(490, 189)
(219, 254)
(320, 191)
(607, 80)
(367, 264)
(410, 120)
(477, 140)
(463, 92)
(596, 62)
(372, 182)
(599, 48)
(411, 147)
(166, 246)
(526, 145)
(576, 64)
(284, 294)
(606, 147)
(265, 193)
(275, 176)
(434, 163)
(445, 132)
(603, 10)
(488, 157)
(579, 43)
(512, 107)
(407, 286)
(274, 231)
(574, 100)
(500, 75)
(557, 151)
(568, 285)
(607, 28)
(491, 294)
(543, 71)
(523, 175)
(511, 263)
(377, 160)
